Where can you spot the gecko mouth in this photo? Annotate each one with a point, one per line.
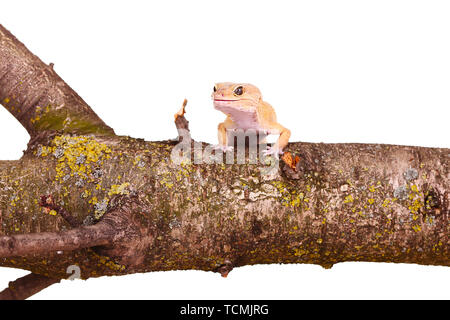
(231, 104)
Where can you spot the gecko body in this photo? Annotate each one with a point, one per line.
(245, 109)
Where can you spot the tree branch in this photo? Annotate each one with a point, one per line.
(37, 97)
(100, 234)
(26, 286)
(324, 204)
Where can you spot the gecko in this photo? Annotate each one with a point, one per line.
(245, 109)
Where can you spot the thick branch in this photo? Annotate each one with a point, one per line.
(323, 204)
(48, 242)
(26, 286)
(37, 97)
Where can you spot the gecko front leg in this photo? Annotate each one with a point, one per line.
(223, 136)
(282, 141)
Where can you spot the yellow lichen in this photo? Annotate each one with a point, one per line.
(415, 206)
(109, 263)
(119, 189)
(76, 156)
(299, 252)
(348, 199)
(94, 200)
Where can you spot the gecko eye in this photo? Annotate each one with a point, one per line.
(238, 91)
(215, 89)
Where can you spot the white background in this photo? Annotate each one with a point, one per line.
(335, 71)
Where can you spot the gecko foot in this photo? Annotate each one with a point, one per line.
(273, 150)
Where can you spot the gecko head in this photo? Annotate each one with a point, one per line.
(242, 96)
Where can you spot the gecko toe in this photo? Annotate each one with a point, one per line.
(275, 151)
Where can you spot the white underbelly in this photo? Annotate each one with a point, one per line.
(246, 123)
(243, 119)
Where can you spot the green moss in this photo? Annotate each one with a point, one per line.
(57, 121)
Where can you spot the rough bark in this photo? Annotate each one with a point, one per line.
(334, 203)
(37, 97)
